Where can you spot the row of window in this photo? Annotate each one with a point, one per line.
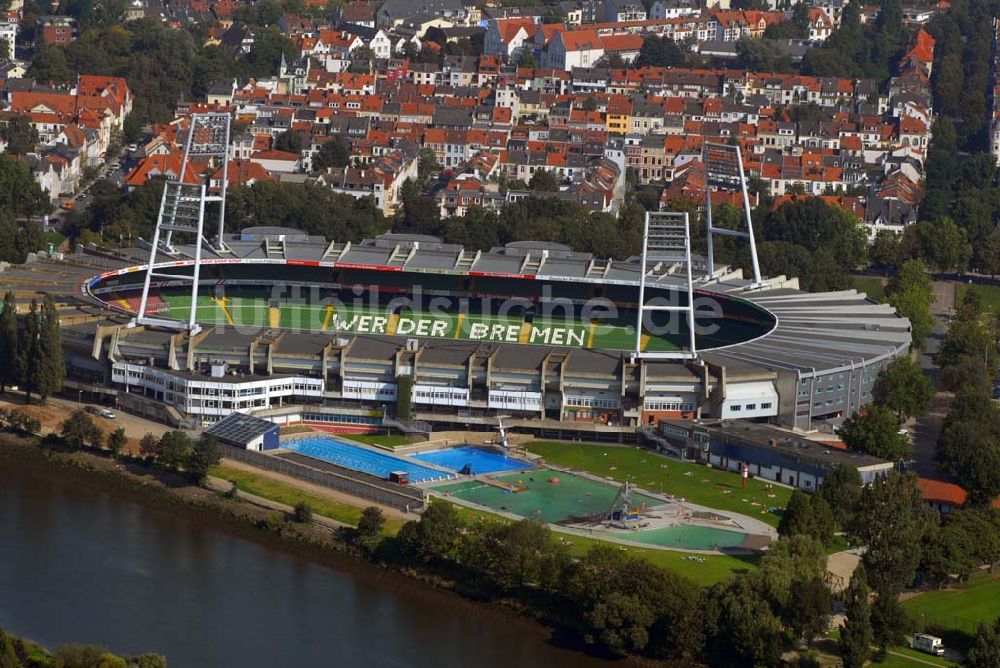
(344, 419)
(668, 406)
(736, 408)
(591, 402)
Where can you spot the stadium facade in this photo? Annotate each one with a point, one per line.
(281, 339)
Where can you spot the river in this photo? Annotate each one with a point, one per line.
(79, 565)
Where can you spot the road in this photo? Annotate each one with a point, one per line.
(927, 427)
(81, 200)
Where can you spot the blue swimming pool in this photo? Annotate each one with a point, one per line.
(479, 460)
(361, 459)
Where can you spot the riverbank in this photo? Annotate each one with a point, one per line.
(16, 652)
(172, 494)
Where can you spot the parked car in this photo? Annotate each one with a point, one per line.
(107, 414)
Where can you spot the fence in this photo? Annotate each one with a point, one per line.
(343, 480)
(927, 620)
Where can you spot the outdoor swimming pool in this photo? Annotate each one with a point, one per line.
(572, 497)
(479, 460)
(683, 536)
(361, 459)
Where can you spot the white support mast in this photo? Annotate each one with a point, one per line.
(724, 171)
(666, 243)
(182, 209)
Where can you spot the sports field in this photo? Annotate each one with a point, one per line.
(961, 608)
(694, 482)
(252, 309)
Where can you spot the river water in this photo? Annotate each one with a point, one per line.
(78, 565)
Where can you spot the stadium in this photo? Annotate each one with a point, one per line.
(356, 336)
(297, 328)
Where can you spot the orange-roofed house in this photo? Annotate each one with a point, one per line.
(626, 47)
(278, 161)
(161, 165)
(945, 496)
(505, 37)
(573, 48)
(820, 25)
(240, 173)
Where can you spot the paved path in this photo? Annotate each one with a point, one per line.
(913, 658)
(927, 427)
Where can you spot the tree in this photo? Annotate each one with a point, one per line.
(659, 52)
(621, 623)
(890, 520)
(370, 526)
(174, 449)
(903, 388)
(943, 244)
(909, 292)
(856, 631)
(8, 657)
(302, 513)
(886, 250)
(875, 432)
(427, 163)
(333, 153)
(80, 430)
(404, 397)
(49, 369)
(30, 348)
(985, 651)
(808, 608)
(435, 536)
(289, 140)
(807, 515)
(116, 441)
(49, 65)
(744, 631)
(149, 446)
(204, 455)
(10, 363)
(842, 492)
(20, 135)
(544, 180)
(19, 196)
(969, 449)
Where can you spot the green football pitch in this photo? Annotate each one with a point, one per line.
(250, 309)
(255, 311)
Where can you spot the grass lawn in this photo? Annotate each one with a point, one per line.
(714, 568)
(870, 285)
(961, 608)
(274, 490)
(385, 440)
(989, 294)
(696, 483)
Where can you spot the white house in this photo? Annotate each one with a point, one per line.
(672, 9)
(8, 32)
(505, 37)
(573, 48)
